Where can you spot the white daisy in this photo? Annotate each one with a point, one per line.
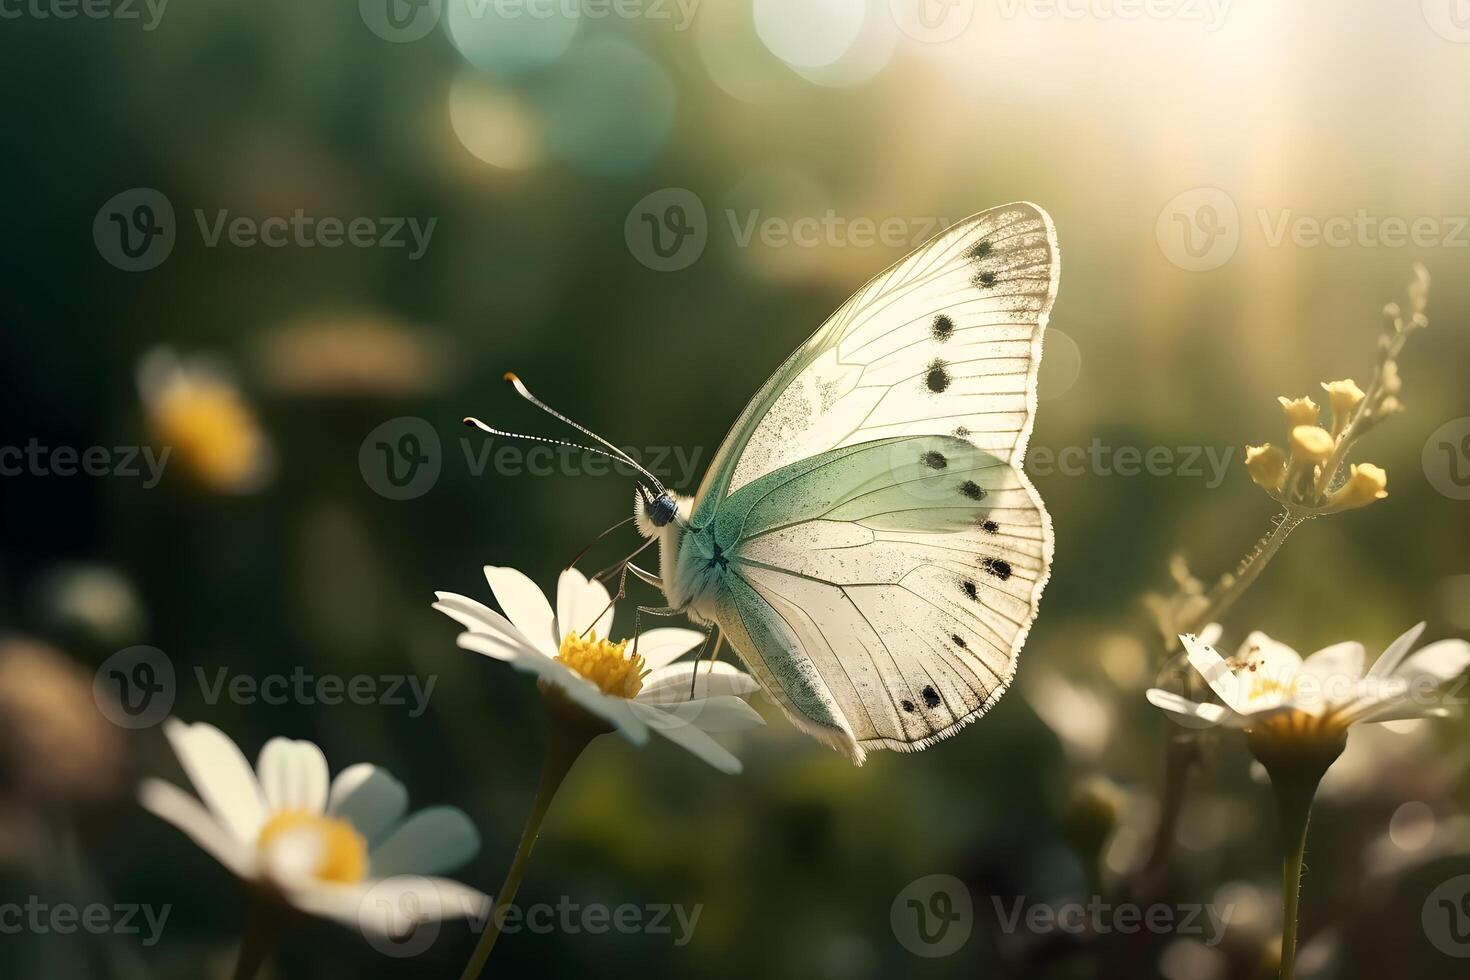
(1268, 689)
(326, 848)
(632, 692)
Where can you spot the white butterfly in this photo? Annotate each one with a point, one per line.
(865, 537)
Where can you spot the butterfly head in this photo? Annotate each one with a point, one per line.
(652, 511)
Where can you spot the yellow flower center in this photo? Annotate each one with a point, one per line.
(608, 665)
(344, 855)
(1262, 686)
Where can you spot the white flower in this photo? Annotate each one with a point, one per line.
(1268, 688)
(632, 692)
(342, 851)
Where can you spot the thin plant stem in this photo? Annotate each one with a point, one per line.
(564, 746)
(1249, 571)
(263, 921)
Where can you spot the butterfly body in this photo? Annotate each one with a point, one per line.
(865, 537)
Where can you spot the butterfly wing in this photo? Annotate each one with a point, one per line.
(877, 555)
(945, 341)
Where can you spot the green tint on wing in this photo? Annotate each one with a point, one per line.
(880, 592)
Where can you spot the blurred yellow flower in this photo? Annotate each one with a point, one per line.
(200, 416)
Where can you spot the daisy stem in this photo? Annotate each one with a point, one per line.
(1296, 765)
(262, 935)
(563, 747)
(1294, 831)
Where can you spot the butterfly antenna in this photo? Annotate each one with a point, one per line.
(524, 392)
(475, 423)
(583, 553)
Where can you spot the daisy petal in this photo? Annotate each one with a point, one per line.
(1442, 661)
(1213, 669)
(477, 617)
(220, 775)
(293, 775)
(167, 802)
(1403, 710)
(670, 685)
(581, 604)
(690, 737)
(1397, 650)
(368, 798)
(723, 713)
(525, 606)
(1276, 658)
(433, 840)
(393, 906)
(1328, 677)
(576, 687)
(1190, 712)
(661, 647)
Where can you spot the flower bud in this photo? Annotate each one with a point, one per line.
(1298, 411)
(1344, 396)
(1266, 465)
(1366, 484)
(1311, 444)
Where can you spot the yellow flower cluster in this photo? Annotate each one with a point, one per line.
(1301, 474)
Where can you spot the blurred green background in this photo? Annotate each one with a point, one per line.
(536, 145)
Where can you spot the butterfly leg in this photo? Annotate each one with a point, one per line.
(652, 611)
(621, 594)
(694, 674)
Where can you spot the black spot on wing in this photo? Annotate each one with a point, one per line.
(942, 329)
(959, 641)
(990, 527)
(983, 280)
(931, 697)
(960, 432)
(980, 249)
(972, 490)
(970, 589)
(998, 567)
(937, 377)
(907, 705)
(934, 459)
